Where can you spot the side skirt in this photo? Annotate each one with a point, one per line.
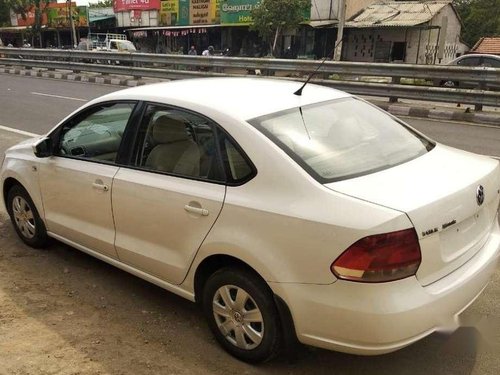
(114, 262)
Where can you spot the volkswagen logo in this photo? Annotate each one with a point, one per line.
(480, 195)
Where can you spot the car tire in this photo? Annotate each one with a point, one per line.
(241, 313)
(25, 218)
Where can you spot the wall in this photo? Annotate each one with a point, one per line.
(362, 43)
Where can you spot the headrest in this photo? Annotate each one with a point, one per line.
(168, 130)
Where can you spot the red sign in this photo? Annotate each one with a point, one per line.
(30, 17)
(125, 5)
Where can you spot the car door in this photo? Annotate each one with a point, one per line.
(76, 181)
(167, 200)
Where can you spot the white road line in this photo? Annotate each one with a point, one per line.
(59, 96)
(22, 132)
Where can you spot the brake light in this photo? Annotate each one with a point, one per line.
(380, 258)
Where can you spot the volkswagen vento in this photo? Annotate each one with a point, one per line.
(313, 217)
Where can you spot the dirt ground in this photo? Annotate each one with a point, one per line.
(64, 312)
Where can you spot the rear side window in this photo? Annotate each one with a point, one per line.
(490, 62)
(342, 139)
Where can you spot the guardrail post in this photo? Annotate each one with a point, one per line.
(479, 107)
(394, 81)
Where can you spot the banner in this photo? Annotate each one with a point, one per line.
(199, 12)
(18, 19)
(237, 12)
(58, 15)
(125, 5)
(169, 12)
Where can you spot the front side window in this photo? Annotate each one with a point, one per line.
(97, 133)
(470, 61)
(342, 139)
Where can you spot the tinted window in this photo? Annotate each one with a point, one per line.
(177, 142)
(494, 63)
(470, 61)
(341, 139)
(97, 133)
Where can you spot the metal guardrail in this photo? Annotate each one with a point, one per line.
(183, 66)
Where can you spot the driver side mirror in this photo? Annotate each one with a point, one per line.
(43, 148)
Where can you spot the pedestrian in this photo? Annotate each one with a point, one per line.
(192, 51)
(208, 52)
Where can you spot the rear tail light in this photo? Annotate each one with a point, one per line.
(380, 258)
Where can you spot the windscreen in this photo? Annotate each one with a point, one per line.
(342, 139)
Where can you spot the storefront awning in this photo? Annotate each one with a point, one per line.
(13, 28)
(173, 27)
(100, 18)
(324, 24)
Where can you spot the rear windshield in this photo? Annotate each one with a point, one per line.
(342, 139)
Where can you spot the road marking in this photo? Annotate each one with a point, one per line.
(22, 132)
(59, 96)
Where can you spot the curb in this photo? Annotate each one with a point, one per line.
(439, 113)
(76, 77)
(397, 109)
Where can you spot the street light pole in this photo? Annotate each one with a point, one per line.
(337, 54)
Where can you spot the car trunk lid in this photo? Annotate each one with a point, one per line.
(439, 193)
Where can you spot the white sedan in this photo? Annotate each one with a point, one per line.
(313, 217)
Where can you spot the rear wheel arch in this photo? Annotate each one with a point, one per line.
(212, 264)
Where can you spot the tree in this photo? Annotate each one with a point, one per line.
(101, 4)
(480, 18)
(22, 6)
(272, 17)
(4, 14)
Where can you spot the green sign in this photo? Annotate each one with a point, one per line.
(237, 12)
(183, 19)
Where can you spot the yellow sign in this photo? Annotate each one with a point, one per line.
(169, 12)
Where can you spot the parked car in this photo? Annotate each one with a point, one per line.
(472, 60)
(315, 217)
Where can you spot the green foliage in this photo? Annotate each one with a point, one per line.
(4, 14)
(274, 16)
(480, 17)
(101, 4)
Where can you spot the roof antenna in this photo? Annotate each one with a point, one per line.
(299, 91)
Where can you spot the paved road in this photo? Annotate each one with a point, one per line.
(65, 312)
(36, 105)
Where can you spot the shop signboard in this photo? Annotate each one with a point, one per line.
(127, 5)
(58, 15)
(29, 17)
(169, 12)
(237, 12)
(174, 13)
(199, 12)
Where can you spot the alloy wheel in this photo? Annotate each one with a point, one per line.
(23, 217)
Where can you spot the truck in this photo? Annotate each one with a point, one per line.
(107, 42)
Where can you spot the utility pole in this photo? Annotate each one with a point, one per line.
(337, 54)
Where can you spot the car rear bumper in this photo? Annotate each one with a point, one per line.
(370, 319)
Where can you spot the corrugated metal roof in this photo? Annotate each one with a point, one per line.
(487, 45)
(397, 13)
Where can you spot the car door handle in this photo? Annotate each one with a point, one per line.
(196, 210)
(100, 186)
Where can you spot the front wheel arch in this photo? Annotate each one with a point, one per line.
(8, 184)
